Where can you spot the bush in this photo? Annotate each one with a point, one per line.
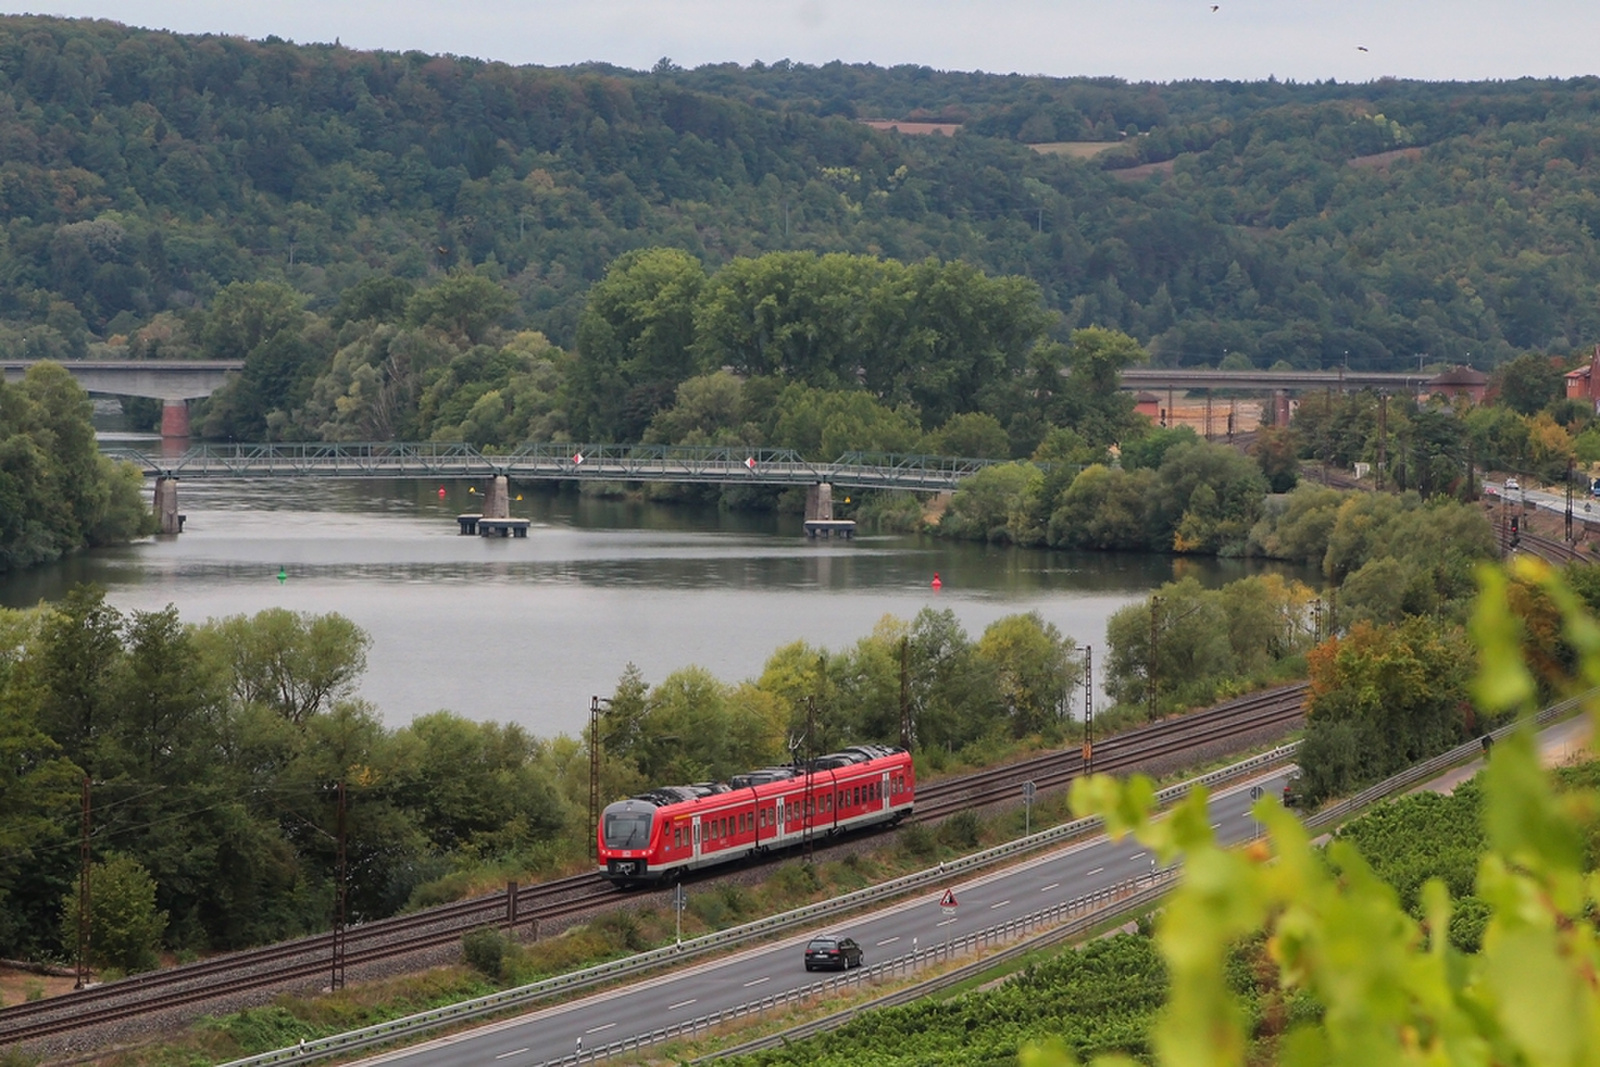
(485, 950)
(961, 830)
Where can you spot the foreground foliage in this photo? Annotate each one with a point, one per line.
(1393, 987)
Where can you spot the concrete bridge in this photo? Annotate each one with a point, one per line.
(173, 382)
(549, 462)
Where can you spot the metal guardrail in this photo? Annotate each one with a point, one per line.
(521, 996)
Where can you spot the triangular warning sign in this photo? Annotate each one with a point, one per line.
(948, 900)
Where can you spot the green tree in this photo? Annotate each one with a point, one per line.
(1529, 383)
(1034, 669)
(124, 925)
(297, 664)
(635, 343)
(1401, 689)
(462, 305)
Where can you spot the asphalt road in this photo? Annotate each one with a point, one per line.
(770, 969)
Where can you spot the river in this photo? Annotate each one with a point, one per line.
(528, 631)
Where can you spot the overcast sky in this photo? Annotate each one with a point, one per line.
(1158, 40)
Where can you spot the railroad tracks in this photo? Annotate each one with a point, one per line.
(301, 963)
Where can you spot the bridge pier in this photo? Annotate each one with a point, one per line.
(819, 501)
(819, 514)
(174, 418)
(497, 499)
(166, 506)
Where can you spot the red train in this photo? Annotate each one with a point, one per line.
(660, 835)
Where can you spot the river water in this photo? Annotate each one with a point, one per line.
(528, 631)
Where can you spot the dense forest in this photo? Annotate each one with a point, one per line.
(1309, 224)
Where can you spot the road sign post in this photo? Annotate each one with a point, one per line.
(1029, 791)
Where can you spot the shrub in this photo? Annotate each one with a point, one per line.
(485, 950)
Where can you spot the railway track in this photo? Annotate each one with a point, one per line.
(1549, 549)
(301, 962)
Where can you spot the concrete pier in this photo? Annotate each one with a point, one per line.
(497, 499)
(166, 506)
(819, 514)
(174, 418)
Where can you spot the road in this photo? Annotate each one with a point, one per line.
(776, 968)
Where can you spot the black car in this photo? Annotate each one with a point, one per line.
(832, 950)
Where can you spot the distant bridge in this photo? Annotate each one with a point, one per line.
(1290, 380)
(549, 462)
(174, 382)
(531, 462)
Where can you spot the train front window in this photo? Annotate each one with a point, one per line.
(628, 829)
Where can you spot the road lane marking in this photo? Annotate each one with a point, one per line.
(513, 1052)
(1136, 857)
(682, 1004)
(1097, 870)
(1052, 885)
(1216, 826)
(1002, 904)
(758, 981)
(887, 941)
(597, 1029)
(947, 922)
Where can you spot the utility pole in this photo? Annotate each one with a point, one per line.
(905, 693)
(1088, 709)
(83, 893)
(594, 776)
(337, 980)
(1150, 668)
(811, 728)
(1569, 500)
(1383, 436)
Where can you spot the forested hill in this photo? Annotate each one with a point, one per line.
(1314, 224)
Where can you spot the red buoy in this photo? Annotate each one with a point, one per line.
(441, 492)
(937, 584)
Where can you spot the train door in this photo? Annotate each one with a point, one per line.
(777, 835)
(883, 792)
(694, 859)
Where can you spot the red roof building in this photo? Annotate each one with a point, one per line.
(1459, 381)
(1584, 383)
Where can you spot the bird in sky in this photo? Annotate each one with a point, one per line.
(1216, 7)
(1361, 48)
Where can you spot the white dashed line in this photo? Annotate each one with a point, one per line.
(947, 922)
(682, 1004)
(1052, 885)
(1136, 858)
(1002, 904)
(887, 941)
(758, 981)
(597, 1029)
(1097, 870)
(1216, 826)
(513, 1052)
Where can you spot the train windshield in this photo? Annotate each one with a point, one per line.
(627, 829)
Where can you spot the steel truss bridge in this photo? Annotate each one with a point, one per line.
(617, 463)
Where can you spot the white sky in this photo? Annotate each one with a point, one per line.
(1159, 40)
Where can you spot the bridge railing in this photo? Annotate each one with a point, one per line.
(558, 460)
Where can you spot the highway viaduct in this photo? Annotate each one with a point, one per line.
(176, 382)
